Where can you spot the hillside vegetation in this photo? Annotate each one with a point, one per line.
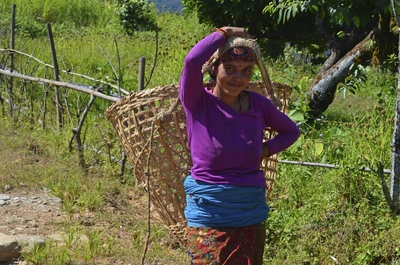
(319, 215)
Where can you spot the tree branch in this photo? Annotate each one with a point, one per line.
(79, 87)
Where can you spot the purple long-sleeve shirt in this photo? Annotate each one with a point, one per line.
(226, 145)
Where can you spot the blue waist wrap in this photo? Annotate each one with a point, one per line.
(210, 205)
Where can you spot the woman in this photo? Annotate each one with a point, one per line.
(225, 190)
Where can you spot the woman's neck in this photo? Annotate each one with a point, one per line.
(234, 102)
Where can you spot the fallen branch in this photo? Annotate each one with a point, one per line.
(64, 71)
(80, 87)
(300, 163)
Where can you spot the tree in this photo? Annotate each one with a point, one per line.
(352, 31)
(395, 172)
(137, 15)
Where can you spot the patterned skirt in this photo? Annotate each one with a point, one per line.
(226, 246)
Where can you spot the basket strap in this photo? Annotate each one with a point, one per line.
(164, 114)
(267, 83)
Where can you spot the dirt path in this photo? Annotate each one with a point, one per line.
(30, 211)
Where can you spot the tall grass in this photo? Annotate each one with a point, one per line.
(338, 216)
(318, 215)
(69, 15)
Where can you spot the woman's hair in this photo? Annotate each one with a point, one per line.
(212, 73)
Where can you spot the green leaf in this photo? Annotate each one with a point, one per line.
(335, 131)
(340, 34)
(356, 21)
(318, 148)
(296, 116)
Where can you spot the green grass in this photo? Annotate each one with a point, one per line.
(321, 215)
(318, 215)
(107, 218)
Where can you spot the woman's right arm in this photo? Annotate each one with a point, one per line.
(191, 80)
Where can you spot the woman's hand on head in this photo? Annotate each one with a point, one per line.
(236, 31)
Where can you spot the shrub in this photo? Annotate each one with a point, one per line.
(137, 15)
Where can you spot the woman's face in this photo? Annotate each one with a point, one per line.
(234, 76)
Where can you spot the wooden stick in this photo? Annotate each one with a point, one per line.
(64, 71)
(301, 163)
(80, 87)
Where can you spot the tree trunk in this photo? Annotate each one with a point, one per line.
(395, 172)
(323, 89)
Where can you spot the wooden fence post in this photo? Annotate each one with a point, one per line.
(56, 77)
(12, 46)
(142, 63)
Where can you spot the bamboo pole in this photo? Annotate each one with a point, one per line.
(64, 71)
(312, 164)
(59, 107)
(142, 63)
(78, 87)
(12, 45)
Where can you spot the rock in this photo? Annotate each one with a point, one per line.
(57, 237)
(4, 197)
(36, 241)
(9, 248)
(60, 239)
(23, 222)
(30, 241)
(22, 239)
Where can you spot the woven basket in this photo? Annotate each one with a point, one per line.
(151, 127)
